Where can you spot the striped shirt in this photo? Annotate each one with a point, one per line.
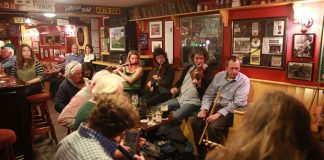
(38, 69)
(67, 116)
(85, 144)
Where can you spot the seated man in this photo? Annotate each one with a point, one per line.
(72, 83)
(99, 137)
(191, 87)
(234, 88)
(111, 83)
(102, 82)
(9, 59)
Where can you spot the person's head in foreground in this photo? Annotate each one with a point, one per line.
(276, 126)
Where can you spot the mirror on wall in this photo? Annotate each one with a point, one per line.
(205, 31)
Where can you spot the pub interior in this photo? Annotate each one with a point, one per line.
(144, 49)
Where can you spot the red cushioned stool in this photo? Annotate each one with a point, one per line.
(7, 139)
(41, 121)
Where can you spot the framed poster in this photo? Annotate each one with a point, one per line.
(35, 45)
(303, 45)
(260, 42)
(156, 44)
(117, 39)
(300, 70)
(143, 41)
(155, 29)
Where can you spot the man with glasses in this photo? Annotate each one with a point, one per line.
(74, 56)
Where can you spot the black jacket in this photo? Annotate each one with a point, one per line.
(208, 77)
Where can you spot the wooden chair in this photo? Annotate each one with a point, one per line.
(41, 121)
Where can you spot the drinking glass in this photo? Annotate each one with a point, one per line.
(164, 108)
(134, 100)
(149, 115)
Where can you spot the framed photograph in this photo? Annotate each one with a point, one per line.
(117, 39)
(156, 29)
(303, 45)
(156, 44)
(276, 61)
(300, 70)
(35, 45)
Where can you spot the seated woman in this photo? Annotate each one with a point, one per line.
(88, 54)
(161, 81)
(28, 69)
(131, 73)
(277, 126)
(87, 70)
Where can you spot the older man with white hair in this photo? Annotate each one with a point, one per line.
(102, 82)
(9, 59)
(72, 83)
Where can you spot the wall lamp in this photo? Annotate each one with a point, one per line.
(303, 17)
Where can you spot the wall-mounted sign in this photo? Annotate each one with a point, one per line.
(8, 6)
(108, 10)
(19, 20)
(38, 5)
(24, 2)
(72, 8)
(87, 9)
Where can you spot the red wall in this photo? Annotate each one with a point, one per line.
(262, 73)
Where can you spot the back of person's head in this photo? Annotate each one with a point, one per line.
(87, 70)
(276, 126)
(106, 82)
(71, 68)
(113, 114)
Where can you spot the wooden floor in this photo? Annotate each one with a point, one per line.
(44, 148)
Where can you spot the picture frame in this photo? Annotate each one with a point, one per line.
(156, 44)
(300, 70)
(35, 45)
(303, 45)
(117, 39)
(155, 29)
(143, 41)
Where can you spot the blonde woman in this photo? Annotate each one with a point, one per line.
(132, 72)
(276, 127)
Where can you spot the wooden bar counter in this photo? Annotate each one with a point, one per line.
(15, 114)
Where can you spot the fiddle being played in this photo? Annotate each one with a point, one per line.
(189, 89)
(131, 72)
(161, 80)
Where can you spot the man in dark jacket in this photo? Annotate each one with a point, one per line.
(191, 86)
(72, 83)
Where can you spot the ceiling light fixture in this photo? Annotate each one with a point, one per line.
(49, 15)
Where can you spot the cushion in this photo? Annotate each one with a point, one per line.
(38, 98)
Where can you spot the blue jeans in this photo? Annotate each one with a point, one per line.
(181, 111)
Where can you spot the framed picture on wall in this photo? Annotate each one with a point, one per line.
(156, 44)
(300, 70)
(155, 29)
(303, 45)
(117, 39)
(35, 45)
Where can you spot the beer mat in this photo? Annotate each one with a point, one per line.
(144, 120)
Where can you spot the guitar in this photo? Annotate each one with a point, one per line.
(316, 126)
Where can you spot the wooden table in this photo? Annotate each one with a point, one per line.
(15, 114)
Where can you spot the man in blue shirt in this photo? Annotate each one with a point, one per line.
(74, 56)
(234, 88)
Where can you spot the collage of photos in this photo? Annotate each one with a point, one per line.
(260, 42)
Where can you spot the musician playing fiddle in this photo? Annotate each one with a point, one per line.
(189, 89)
(131, 72)
(161, 81)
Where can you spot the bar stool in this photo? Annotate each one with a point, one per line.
(41, 121)
(7, 139)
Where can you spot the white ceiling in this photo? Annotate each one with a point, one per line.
(111, 3)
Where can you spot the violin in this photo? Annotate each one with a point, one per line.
(198, 72)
